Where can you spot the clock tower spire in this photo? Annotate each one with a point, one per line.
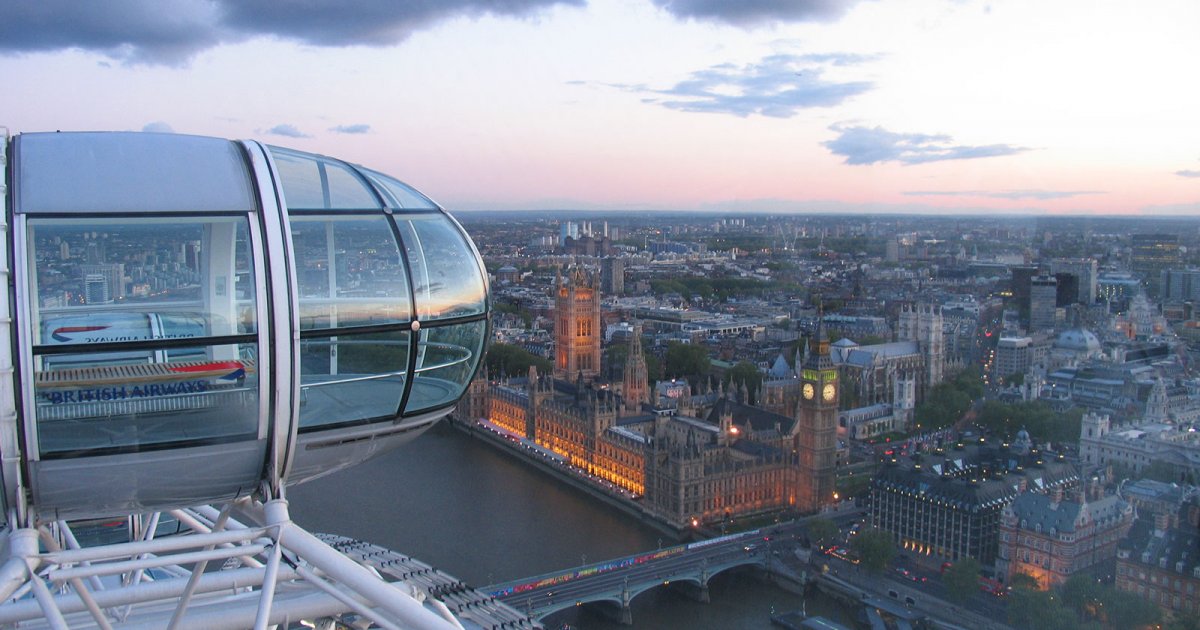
(815, 437)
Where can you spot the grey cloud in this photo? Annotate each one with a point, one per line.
(132, 31)
(1005, 194)
(754, 12)
(778, 86)
(1188, 173)
(171, 32)
(364, 22)
(869, 145)
(158, 126)
(351, 129)
(289, 131)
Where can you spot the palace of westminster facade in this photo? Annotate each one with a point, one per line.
(699, 457)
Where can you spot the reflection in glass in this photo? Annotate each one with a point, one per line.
(446, 276)
(139, 286)
(82, 405)
(311, 182)
(127, 280)
(397, 194)
(349, 272)
(446, 360)
(351, 377)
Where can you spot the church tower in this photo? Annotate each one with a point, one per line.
(922, 323)
(816, 427)
(576, 325)
(636, 388)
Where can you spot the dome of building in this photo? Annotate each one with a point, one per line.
(1078, 340)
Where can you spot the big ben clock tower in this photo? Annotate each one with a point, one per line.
(816, 426)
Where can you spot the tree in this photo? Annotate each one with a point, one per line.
(748, 374)
(504, 359)
(962, 579)
(685, 360)
(944, 405)
(1027, 608)
(822, 530)
(1126, 610)
(1080, 591)
(875, 548)
(1023, 580)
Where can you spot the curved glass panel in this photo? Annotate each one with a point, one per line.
(446, 360)
(446, 275)
(348, 378)
(349, 272)
(121, 295)
(311, 182)
(397, 194)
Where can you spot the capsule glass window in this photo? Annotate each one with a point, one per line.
(144, 332)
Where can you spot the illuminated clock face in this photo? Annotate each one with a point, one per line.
(829, 392)
(809, 392)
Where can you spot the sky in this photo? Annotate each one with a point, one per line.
(951, 106)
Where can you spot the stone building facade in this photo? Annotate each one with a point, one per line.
(1050, 537)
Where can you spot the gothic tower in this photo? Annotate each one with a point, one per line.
(636, 390)
(922, 323)
(576, 325)
(815, 439)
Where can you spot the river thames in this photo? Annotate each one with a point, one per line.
(485, 517)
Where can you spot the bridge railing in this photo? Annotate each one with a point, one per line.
(523, 585)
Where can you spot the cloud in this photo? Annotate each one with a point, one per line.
(869, 145)
(748, 13)
(158, 126)
(289, 131)
(779, 86)
(133, 31)
(1188, 173)
(171, 32)
(351, 129)
(1005, 194)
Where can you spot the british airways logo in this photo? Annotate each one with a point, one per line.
(237, 370)
(60, 334)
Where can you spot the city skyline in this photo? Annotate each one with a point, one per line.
(955, 107)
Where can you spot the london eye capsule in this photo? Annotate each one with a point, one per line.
(192, 320)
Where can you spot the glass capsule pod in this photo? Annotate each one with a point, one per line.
(195, 319)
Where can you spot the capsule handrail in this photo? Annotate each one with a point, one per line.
(374, 377)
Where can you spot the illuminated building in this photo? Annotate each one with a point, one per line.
(576, 325)
(815, 436)
(948, 505)
(1049, 537)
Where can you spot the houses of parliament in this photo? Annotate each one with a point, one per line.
(691, 456)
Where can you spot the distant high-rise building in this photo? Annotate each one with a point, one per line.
(1084, 269)
(568, 229)
(1180, 284)
(612, 276)
(95, 289)
(1012, 356)
(576, 325)
(1043, 301)
(1149, 254)
(113, 276)
(1067, 292)
(892, 250)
